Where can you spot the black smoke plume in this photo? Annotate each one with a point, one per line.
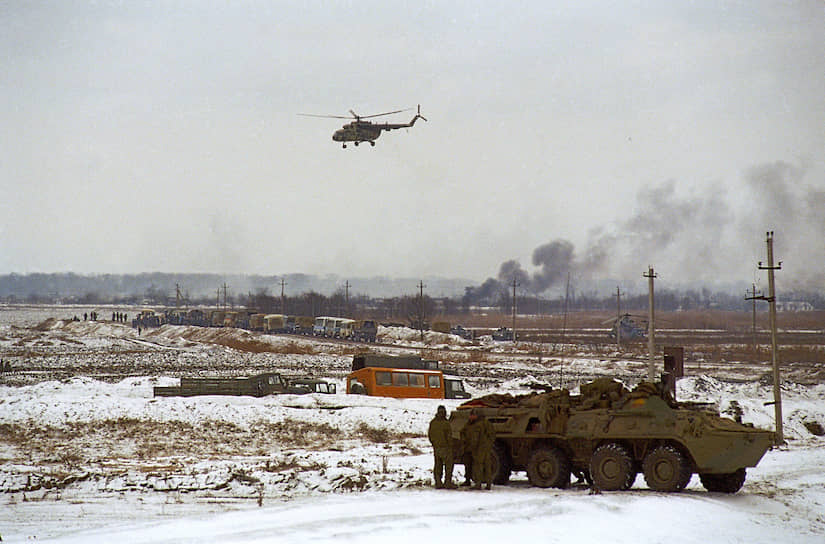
(693, 239)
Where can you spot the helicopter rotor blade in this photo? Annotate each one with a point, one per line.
(325, 116)
(385, 113)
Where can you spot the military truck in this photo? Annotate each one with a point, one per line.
(608, 434)
(268, 383)
(309, 385)
(503, 334)
(256, 386)
(365, 330)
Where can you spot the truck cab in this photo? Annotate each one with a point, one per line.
(454, 389)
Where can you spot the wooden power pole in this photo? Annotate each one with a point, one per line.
(515, 284)
(771, 298)
(283, 298)
(651, 326)
(618, 318)
(421, 308)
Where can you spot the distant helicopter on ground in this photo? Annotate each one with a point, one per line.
(365, 131)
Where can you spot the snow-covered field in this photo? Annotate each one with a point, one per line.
(87, 454)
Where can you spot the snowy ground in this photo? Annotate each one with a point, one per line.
(87, 454)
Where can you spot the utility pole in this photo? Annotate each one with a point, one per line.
(178, 295)
(651, 326)
(564, 329)
(771, 298)
(515, 284)
(421, 308)
(618, 318)
(283, 299)
(218, 298)
(754, 297)
(224, 296)
(347, 285)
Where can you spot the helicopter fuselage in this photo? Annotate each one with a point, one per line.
(358, 131)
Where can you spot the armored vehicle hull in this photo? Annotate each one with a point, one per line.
(608, 435)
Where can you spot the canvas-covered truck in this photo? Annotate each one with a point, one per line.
(608, 434)
(257, 386)
(268, 383)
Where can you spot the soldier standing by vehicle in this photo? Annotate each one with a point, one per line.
(479, 442)
(441, 437)
(466, 458)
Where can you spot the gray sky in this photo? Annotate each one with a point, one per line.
(163, 136)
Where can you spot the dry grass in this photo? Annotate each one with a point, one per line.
(251, 345)
(381, 436)
(79, 443)
(292, 347)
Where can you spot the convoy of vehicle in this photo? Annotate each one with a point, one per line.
(358, 330)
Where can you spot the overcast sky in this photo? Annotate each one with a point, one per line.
(164, 136)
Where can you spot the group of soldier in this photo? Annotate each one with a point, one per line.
(477, 439)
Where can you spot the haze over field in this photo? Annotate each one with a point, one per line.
(583, 136)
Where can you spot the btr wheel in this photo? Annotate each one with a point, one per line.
(501, 464)
(611, 468)
(666, 469)
(548, 467)
(724, 483)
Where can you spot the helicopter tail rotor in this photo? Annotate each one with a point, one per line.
(417, 116)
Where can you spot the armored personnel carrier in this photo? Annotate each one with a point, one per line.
(608, 434)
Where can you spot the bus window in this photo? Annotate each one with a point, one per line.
(435, 383)
(382, 378)
(399, 378)
(416, 380)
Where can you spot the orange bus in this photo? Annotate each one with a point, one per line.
(400, 383)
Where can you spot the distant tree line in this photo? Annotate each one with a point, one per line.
(153, 289)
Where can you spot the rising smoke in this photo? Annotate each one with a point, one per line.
(693, 239)
(554, 260)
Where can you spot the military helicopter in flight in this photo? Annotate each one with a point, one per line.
(365, 131)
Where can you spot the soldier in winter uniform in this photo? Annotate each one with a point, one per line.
(479, 442)
(441, 438)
